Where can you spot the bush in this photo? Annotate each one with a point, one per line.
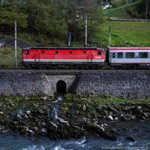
(133, 12)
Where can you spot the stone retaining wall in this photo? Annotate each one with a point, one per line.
(133, 84)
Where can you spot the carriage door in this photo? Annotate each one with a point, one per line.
(92, 52)
(136, 55)
(37, 56)
(89, 56)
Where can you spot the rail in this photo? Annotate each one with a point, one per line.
(74, 71)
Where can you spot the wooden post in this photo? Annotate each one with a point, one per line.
(109, 36)
(15, 44)
(146, 13)
(86, 30)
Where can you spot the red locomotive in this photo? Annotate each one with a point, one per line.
(63, 56)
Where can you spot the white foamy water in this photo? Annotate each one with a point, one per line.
(33, 148)
(9, 141)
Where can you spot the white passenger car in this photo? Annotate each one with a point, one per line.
(129, 56)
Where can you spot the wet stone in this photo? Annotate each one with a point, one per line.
(81, 119)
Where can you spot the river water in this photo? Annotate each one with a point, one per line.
(138, 130)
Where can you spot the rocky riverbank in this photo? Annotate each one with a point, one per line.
(68, 117)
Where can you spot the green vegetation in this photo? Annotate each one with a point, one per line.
(7, 57)
(126, 33)
(105, 100)
(111, 100)
(119, 14)
(121, 7)
(71, 98)
(124, 10)
(50, 21)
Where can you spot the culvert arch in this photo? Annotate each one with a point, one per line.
(61, 87)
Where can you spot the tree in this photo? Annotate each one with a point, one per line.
(46, 19)
(94, 16)
(51, 20)
(147, 7)
(10, 13)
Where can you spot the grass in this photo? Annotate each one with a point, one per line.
(7, 57)
(112, 100)
(121, 7)
(105, 100)
(119, 14)
(125, 34)
(27, 38)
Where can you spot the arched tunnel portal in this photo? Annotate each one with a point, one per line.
(61, 87)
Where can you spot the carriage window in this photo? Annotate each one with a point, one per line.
(99, 52)
(113, 55)
(27, 52)
(143, 55)
(70, 52)
(129, 55)
(56, 52)
(84, 52)
(120, 55)
(42, 52)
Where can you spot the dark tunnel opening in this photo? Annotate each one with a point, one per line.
(61, 87)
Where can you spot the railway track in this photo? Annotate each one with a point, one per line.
(73, 71)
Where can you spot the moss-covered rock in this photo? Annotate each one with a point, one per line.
(72, 118)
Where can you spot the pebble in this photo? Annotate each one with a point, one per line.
(110, 117)
(43, 130)
(28, 112)
(1, 113)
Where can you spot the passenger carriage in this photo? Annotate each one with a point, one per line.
(129, 56)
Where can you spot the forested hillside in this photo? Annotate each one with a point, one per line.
(48, 22)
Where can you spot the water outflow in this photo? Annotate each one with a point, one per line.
(58, 99)
(55, 111)
(69, 39)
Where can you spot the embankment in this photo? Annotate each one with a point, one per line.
(68, 117)
(133, 84)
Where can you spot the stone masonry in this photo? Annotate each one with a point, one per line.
(133, 84)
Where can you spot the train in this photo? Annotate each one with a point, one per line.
(85, 57)
(129, 56)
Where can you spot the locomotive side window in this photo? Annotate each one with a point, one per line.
(129, 55)
(56, 52)
(42, 52)
(143, 55)
(99, 52)
(113, 55)
(70, 52)
(84, 52)
(120, 55)
(27, 52)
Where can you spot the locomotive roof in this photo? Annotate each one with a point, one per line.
(67, 48)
